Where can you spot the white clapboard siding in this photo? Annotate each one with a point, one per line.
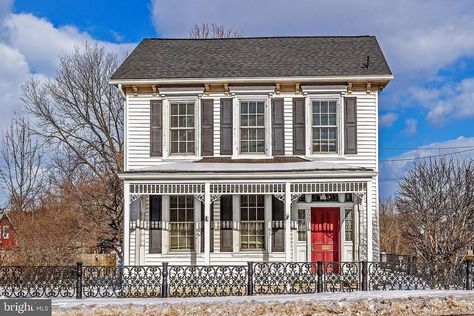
(138, 131)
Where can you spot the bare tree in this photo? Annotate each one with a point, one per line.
(206, 30)
(80, 115)
(436, 203)
(22, 173)
(391, 228)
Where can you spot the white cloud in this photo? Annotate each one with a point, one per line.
(393, 169)
(415, 35)
(31, 46)
(387, 119)
(452, 100)
(410, 127)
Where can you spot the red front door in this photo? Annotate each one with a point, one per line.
(325, 234)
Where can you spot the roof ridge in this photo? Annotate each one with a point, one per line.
(256, 37)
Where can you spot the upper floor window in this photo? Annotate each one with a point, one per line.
(252, 127)
(182, 128)
(324, 126)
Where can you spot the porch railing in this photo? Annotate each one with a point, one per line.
(251, 279)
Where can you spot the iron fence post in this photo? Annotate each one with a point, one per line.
(319, 271)
(164, 282)
(79, 280)
(250, 279)
(365, 281)
(469, 274)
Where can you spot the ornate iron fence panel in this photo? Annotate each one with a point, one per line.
(413, 276)
(44, 281)
(130, 281)
(191, 281)
(285, 278)
(341, 276)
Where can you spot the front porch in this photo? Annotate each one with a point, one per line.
(231, 222)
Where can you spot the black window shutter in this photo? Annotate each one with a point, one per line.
(226, 127)
(155, 223)
(278, 232)
(207, 127)
(156, 128)
(350, 125)
(226, 228)
(278, 127)
(299, 138)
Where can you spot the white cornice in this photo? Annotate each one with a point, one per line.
(328, 79)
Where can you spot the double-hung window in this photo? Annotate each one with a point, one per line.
(252, 127)
(181, 222)
(182, 128)
(252, 222)
(324, 126)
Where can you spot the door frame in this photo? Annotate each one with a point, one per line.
(342, 206)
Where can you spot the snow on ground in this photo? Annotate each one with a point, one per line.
(355, 303)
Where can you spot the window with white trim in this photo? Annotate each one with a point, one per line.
(301, 227)
(252, 222)
(252, 127)
(349, 225)
(182, 128)
(181, 222)
(5, 230)
(324, 126)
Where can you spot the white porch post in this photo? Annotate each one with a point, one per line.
(369, 210)
(207, 223)
(126, 225)
(197, 226)
(268, 222)
(287, 221)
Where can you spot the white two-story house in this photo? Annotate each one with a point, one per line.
(251, 149)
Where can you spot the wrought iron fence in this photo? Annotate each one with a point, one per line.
(44, 281)
(252, 279)
(192, 281)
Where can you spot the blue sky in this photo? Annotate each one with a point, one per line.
(428, 44)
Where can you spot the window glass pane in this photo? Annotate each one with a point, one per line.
(182, 125)
(324, 138)
(332, 107)
(252, 223)
(181, 223)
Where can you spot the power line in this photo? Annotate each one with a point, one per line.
(425, 148)
(431, 156)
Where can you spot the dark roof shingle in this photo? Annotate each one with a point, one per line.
(254, 57)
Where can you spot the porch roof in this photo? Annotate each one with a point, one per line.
(228, 165)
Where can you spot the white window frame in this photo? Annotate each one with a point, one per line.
(167, 127)
(267, 124)
(339, 123)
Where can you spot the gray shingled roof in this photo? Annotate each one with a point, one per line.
(254, 57)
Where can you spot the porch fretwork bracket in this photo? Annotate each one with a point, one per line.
(134, 197)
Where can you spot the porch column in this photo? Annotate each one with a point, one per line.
(197, 226)
(287, 221)
(268, 222)
(369, 210)
(126, 225)
(207, 223)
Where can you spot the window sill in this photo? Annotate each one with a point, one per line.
(250, 156)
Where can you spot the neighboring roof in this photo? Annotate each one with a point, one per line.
(312, 56)
(226, 166)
